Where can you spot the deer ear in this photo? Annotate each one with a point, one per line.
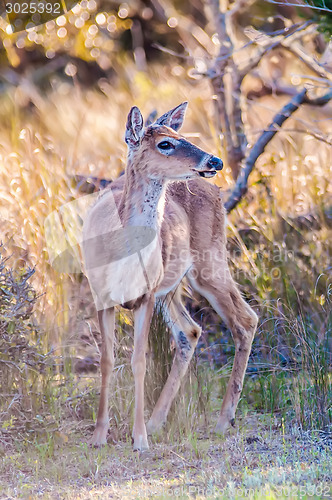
(134, 128)
(174, 118)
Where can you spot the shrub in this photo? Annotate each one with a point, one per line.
(20, 353)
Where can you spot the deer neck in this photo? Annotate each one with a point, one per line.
(143, 200)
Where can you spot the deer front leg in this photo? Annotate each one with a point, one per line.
(186, 334)
(142, 321)
(106, 319)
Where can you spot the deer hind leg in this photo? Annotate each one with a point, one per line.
(186, 334)
(142, 321)
(106, 319)
(226, 299)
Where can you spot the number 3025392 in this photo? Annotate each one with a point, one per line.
(33, 8)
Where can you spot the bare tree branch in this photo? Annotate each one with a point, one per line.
(259, 147)
(188, 58)
(267, 89)
(220, 66)
(226, 83)
(277, 41)
(301, 5)
(241, 5)
(309, 61)
(277, 89)
(319, 101)
(226, 79)
(319, 137)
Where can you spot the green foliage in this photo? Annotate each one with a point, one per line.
(294, 378)
(322, 15)
(283, 264)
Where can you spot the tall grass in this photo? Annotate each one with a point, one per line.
(275, 260)
(290, 368)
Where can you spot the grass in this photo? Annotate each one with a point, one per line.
(283, 268)
(259, 460)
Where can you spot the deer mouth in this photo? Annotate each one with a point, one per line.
(213, 165)
(205, 173)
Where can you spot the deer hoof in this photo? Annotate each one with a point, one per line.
(153, 428)
(140, 443)
(223, 424)
(99, 437)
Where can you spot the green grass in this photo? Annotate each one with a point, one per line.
(259, 461)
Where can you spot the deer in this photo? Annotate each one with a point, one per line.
(159, 223)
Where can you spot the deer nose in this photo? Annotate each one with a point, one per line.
(215, 163)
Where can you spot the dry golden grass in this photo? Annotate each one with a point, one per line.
(61, 134)
(42, 144)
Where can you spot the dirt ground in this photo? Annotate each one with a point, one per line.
(258, 459)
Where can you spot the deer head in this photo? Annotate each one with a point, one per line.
(159, 152)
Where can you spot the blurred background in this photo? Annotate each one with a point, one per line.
(66, 87)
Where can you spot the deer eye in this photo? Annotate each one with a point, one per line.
(166, 145)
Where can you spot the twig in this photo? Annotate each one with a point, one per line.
(241, 5)
(266, 89)
(309, 61)
(304, 5)
(307, 132)
(259, 147)
(172, 52)
(184, 460)
(279, 40)
(319, 101)
(317, 79)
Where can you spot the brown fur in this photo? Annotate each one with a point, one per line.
(191, 230)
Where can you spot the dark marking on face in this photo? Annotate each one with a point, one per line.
(184, 150)
(232, 422)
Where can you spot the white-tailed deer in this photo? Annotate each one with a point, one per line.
(156, 225)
